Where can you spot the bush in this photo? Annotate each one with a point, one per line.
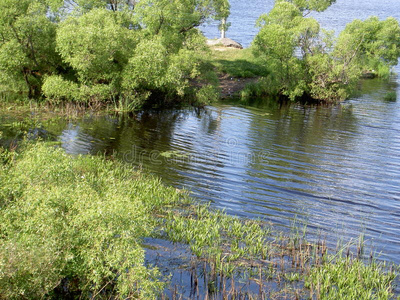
(78, 219)
(309, 63)
(207, 94)
(58, 89)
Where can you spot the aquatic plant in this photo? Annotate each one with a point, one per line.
(346, 278)
(390, 97)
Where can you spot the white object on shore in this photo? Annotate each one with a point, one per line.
(224, 42)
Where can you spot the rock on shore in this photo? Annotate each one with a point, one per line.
(225, 42)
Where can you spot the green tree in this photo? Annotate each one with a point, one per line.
(85, 49)
(97, 46)
(372, 44)
(27, 43)
(306, 6)
(306, 62)
(283, 31)
(120, 50)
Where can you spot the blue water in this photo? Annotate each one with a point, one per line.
(244, 15)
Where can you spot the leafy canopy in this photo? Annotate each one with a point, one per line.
(90, 50)
(311, 5)
(27, 43)
(307, 62)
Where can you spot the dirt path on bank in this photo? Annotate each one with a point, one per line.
(230, 86)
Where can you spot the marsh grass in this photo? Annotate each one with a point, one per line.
(346, 278)
(16, 103)
(75, 226)
(248, 259)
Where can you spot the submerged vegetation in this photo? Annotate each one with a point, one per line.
(135, 54)
(74, 227)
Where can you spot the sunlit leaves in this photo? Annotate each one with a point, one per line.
(311, 5)
(26, 26)
(80, 219)
(88, 44)
(284, 30)
(95, 45)
(374, 44)
(307, 63)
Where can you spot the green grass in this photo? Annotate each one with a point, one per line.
(345, 278)
(78, 223)
(239, 63)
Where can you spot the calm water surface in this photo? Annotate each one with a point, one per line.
(336, 168)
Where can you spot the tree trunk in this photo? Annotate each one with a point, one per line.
(223, 24)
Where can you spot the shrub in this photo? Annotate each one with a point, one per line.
(309, 63)
(80, 219)
(58, 89)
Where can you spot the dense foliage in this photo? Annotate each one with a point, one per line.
(307, 62)
(94, 50)
(132, 53)
(76, 223)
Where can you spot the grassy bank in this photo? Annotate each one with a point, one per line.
(238, 63)
(74, 227)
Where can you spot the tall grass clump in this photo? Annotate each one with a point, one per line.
(76, 224)
(347, 278)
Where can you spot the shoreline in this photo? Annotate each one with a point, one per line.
(230, 255)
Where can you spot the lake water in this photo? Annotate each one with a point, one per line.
(335, 168)
(244, 15)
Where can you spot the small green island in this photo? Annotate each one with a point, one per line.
(76, 227)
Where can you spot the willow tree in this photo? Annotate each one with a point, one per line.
(307, 62)
(27, 43)
(125, 50)
(283, 31)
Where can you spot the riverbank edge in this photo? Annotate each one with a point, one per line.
(239, 78)
(230, 82)
(221, 247)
